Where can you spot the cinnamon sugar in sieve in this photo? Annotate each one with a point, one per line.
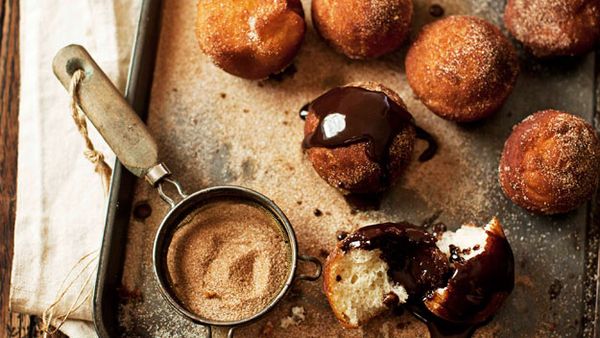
(228, 260)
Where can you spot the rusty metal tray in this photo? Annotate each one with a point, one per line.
(213, 128)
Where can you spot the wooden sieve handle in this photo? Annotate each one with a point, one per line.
(108, 111)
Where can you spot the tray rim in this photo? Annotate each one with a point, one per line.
(137, 93)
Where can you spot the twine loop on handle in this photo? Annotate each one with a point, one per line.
(93, 155)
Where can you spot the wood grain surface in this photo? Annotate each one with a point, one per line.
(12, 325)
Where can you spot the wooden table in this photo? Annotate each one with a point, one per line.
(11, 325)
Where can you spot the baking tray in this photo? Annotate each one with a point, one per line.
(213, 128)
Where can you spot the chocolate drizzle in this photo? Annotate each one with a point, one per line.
(474, 294)
(303, 112)
(432, 145)
(363, 202)
(349, 115)
(436, 10)
(413, 258)
(479, 284)
(340, 235)
(473, 289)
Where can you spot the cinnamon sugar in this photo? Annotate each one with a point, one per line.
(540, 22)
(228, 260)
(551, 162)
(462, 67)
(554, 26)
(577, 152)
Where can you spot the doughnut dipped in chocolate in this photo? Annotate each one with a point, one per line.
(483, 276)
(359, 137)
(453, 281)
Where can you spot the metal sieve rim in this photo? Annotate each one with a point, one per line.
(195, 200)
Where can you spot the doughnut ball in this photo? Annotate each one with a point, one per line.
(350, 167)
(554, 27)
(363, 29)
(462, 68)
(250, 39)
(550, 163)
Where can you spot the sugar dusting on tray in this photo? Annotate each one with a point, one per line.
(214, 128)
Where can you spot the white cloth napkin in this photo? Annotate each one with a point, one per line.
(60, 199)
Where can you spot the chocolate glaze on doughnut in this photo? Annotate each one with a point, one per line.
(474, 288)
(303, 112)
(478, 285)
(351, 114)
(422, 134)
(413, 258)
(360, 138)
(363, 147)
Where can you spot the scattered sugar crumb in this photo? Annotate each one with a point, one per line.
(295, 319)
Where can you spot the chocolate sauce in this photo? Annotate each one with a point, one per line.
(432, 145)
(479, 284)
(413, 258)
(303, 113)
(340, 235)
(438, 229)
(391, 300)
(350, 115)
(436, 10)
(455, 255)
(474, 288)
(363, 202)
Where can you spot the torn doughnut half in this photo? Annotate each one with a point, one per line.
(459, 277)
(357, 285)
(483, 265)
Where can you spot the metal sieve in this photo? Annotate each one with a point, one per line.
(131, 141)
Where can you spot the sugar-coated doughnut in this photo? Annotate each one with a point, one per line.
(363, 29)
(250, 39)
(462, 68)
(550, 163)
(554, 27)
